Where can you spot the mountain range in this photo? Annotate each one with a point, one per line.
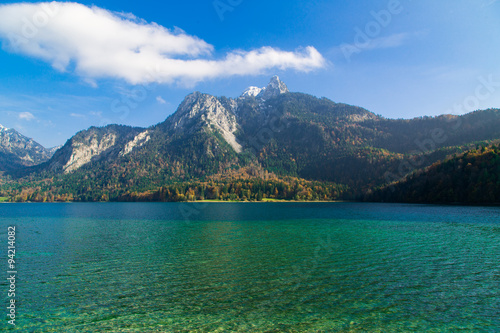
(17, 151)
(266, 143)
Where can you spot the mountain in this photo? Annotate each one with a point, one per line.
(202, 133)
(17, 151)
(472, 177)
(274, 88)
(301, 146)
(96, 144)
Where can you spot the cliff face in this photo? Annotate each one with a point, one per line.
(204, 112)
(106, 143)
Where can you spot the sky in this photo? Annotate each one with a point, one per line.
(66, 66)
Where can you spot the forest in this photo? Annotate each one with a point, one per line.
(472, 177)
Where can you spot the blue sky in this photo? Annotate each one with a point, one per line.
(94, 65)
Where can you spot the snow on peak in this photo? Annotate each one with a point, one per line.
(274, 88)
(252, 91)
(3, 128)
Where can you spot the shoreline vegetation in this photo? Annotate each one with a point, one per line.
(271, 201)
(249, 190)
(192, 202)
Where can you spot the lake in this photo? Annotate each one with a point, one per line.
(253, 267)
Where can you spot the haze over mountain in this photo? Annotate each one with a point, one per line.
(266, 134)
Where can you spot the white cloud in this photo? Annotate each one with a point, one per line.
(102, 44)
(77, 115)
(160, 100)
(26, 116)
(363, 43)
(394, 40)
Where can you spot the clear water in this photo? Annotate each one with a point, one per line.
(242, 267)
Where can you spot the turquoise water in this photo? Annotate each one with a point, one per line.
(253, 267)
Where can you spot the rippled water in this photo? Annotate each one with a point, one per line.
(241, 267)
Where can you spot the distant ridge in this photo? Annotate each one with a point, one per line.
(17, 150)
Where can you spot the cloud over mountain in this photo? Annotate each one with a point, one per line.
(97, 43)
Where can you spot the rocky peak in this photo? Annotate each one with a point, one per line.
(194, 107)
(20, 147)
(189, 100)
(206, 111)
(274, 88)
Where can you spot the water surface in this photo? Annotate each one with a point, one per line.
(254, 267)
